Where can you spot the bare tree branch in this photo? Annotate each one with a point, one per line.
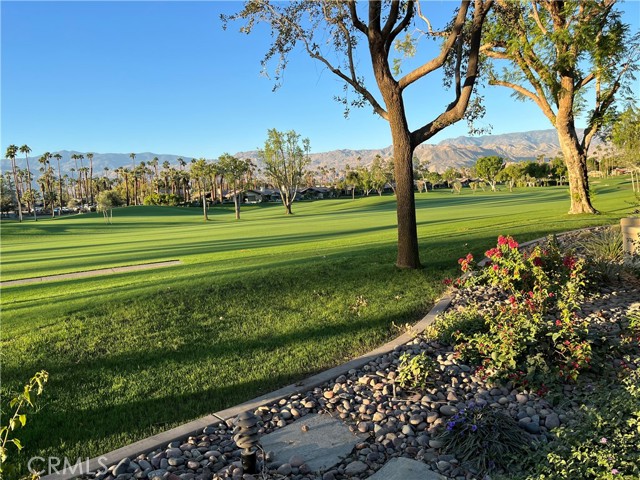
(355, 19)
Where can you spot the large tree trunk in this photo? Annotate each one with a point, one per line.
(408, 253)
(576, 161)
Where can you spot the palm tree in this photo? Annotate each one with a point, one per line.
(57, 156)
(26, 150)
(12, 150)
(132, 156)
(125, 174)
(80, 182)
(154, 164)
(45, 179)
(90, 157)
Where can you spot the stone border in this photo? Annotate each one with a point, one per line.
(91, 273)
(192, 428)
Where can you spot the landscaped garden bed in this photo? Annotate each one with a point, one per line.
(532, 372)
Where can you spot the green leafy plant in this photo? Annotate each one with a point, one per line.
(17, 418)
(602, 444)
(484, 438)
(414, 371)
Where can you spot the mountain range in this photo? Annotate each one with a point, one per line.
(456, 152)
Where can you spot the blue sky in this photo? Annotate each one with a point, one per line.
(164, 77)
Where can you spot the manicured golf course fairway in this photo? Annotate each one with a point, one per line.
(255, 304)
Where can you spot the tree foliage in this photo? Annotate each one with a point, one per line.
(488, 168)
(106, 201)
(235, 170)
(625, 135)
(285, 156)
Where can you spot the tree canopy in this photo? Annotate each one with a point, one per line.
(285, 156)
(488, 168)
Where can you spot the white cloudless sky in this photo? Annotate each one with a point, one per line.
(164, 77)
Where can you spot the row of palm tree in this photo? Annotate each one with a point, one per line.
(197, 179)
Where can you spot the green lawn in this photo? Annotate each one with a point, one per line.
(255, 305)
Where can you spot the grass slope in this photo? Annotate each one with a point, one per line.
(255, 305)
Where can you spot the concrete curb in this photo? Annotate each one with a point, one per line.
(193, 427)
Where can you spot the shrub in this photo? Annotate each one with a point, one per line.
(484, 438)
(413, 372)
(537, 333)
(602, 444)
(605, 252)
(164, 199)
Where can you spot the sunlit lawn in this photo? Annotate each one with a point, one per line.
(256, 303)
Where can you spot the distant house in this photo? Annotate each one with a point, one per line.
(316, 193)
(271, 195)
(253, 196)
(246, 196)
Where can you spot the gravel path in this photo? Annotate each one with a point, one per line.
(91, 273)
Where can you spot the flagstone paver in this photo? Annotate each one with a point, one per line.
(405, 469)
(321, 440)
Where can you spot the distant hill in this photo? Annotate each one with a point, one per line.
(453, 152)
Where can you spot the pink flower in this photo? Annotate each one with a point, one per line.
(603, 440)
(614, 471)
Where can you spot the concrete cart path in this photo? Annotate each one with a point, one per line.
(91, 273)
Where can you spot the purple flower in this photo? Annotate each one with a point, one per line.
(451, 425)
(474, 428)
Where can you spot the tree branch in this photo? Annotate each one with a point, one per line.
(352, 81)
(438, 61)
(401, 26)
(354, 18)
(456, 109)
(536, 17)
(393, 17)
(544, 106)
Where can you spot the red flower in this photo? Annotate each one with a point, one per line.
(558, 323)
(569, 262)
(512, 243)
(537, 262)
(502, 240)
(447, 281)
(495, 267)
